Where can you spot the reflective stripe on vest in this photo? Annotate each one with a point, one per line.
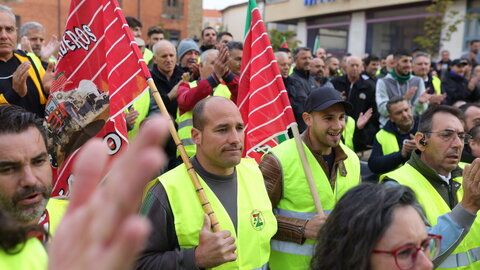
(256, 223)
(185, 122)
(388, 141)
(348, 131)
(466, 255)
(297, 202)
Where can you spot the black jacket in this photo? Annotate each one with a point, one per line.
(380, 163)
(362, 97)
(456, 88)
(165, 86)
(297, 96)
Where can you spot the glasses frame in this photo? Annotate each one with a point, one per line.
(465, 140)
(430, 237)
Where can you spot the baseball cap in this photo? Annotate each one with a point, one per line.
(459, 61)
(324, 97)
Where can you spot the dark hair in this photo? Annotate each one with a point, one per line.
(287, 50)
(298, 50)
(371, 58)
(425, 123)
(206, 28)
(221, 34)
(357, 223)
(154, 30)
(473, 41)
(13, 234)
(475, 132)
(394, 100)
(466, 106)
(15, 119)
(401, 52)
(234, 45)
(329, 59)
(133, 22)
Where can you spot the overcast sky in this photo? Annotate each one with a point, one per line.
(220, 4)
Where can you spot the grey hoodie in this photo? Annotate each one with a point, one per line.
(388, 87)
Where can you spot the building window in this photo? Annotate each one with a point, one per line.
(173, 9)
(330, 32)
(472, 27)
(388, 30)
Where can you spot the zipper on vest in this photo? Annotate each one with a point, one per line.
(450, 194)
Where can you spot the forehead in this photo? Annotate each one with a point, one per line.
(422, 60)
(442, 120)
(354, 61)
(211, 55)
(472, 112)
(317, 61)
(20, 146)
(6, 19)
(209, 32)
(405, 58)
(166, 49)
(399, 106)
(156, 35)
(236, 52)
(220, 111)
(304, 53)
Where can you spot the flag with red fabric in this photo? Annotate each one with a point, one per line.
(100, 71)
(262, 97)
(284, 43)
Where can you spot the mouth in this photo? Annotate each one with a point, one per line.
(191, 61)
(334, 135)
(453, 157)
(31, 198)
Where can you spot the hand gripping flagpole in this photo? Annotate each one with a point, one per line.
(207, 207)
(307, 170)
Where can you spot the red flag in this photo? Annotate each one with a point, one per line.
(100, 72)
(262, 98)
(284, 43)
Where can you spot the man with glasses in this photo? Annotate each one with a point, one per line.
(433, 173)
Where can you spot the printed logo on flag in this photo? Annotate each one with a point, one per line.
(257, 220)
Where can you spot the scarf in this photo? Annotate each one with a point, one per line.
(400, 79)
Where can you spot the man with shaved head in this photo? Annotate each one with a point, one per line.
(181, 237)
(358, 91)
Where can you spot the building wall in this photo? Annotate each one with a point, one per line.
(150, 12)
(296, 9)
(234, 20)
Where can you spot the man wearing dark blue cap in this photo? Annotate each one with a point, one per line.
(457, 87)
(335, 169)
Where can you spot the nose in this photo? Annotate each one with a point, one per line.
(28, 178)
(234, 136)
(338, 124)
(423, 262)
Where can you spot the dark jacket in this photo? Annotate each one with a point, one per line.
(456, 88)
(362, 97)
(303, 76)
(380, 163)
(164, 87)
(297, 96)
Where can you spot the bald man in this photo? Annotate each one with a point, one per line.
(361, 93)
(318, 71)
(321, 54)
(181, 237)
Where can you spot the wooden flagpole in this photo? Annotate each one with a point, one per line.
(307, 170)
(207, 208)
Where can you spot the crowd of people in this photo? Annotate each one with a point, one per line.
(404, 121)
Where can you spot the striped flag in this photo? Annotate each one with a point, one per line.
(262, 98)
(100, 72)
(284, 43)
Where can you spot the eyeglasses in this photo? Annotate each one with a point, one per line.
(448, 135)
(406, 256)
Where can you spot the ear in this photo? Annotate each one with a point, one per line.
(418, 138)
(196, 136)
(307, 118)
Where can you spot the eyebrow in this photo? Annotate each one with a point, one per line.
(17, 163)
